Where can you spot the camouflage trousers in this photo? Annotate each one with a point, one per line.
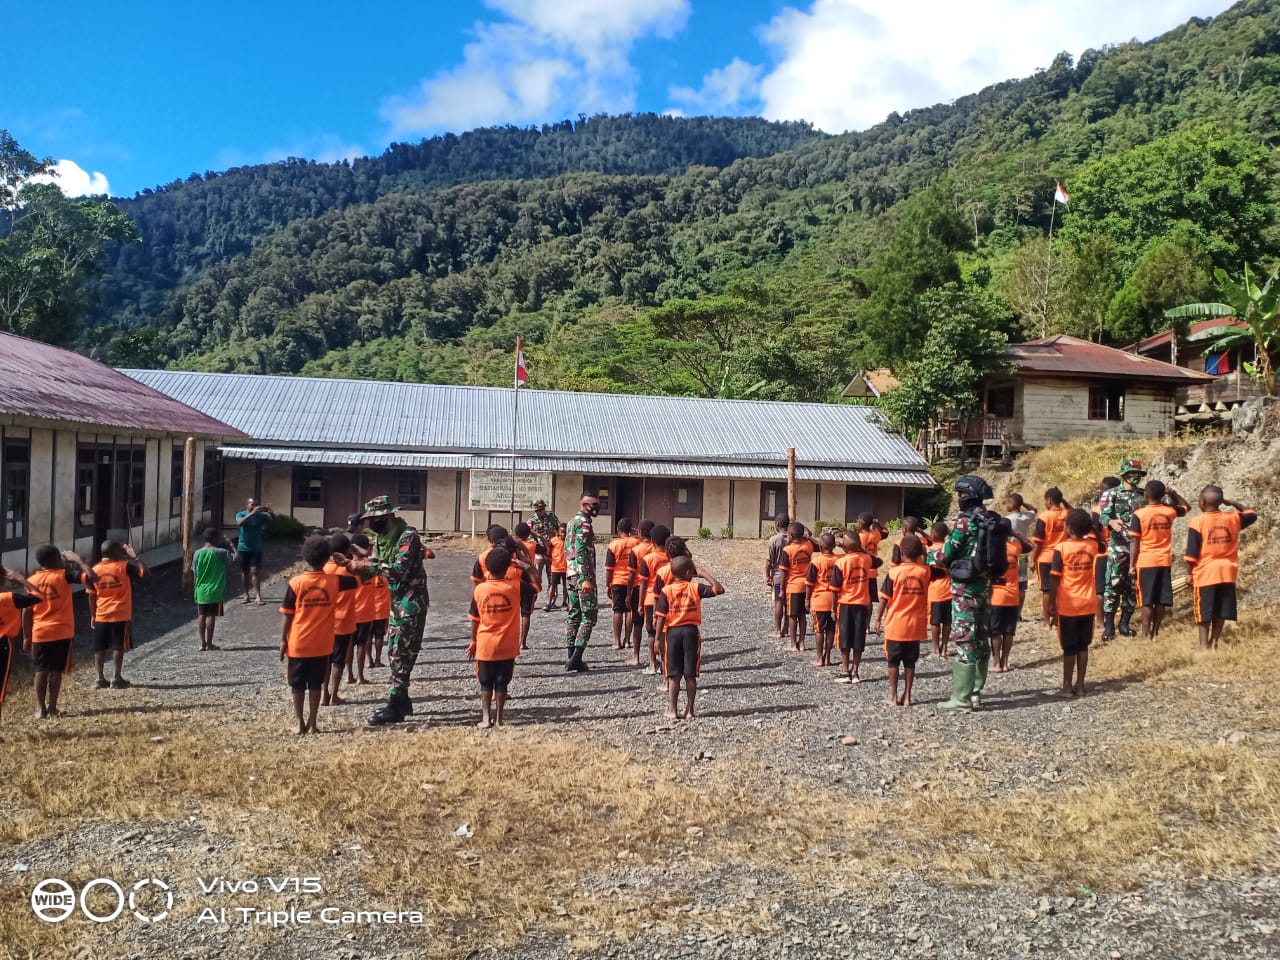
(583, 610)
(971, 625)
(404, 639)
(1118, 592)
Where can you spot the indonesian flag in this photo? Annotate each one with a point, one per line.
(1061, 196)
(522, 372)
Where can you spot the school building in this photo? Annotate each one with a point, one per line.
(87, 454)
(317, 448)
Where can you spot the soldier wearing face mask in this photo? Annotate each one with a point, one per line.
(580, 555)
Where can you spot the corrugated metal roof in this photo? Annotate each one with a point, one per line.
(1162, 338)
(426, 418)
(1061, 355)
(629, 468)
(49, 383)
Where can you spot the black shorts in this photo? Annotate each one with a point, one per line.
(249, 559)
(901, 653)
(541, 551)
(683, 656)
(1046, 577)
(795, 606)
(110, 636)
(1100, 574)
(1217, 601)
(363, 632)
(557, 580)
(209, 609)
(1004, 620)
(618, 596)
(1075, 634)
(854, 618)
(826, 620)
(940, 613)
(307, 673)
(633, 602)
(52, 655)
(1155, 586)
(648, 621)
(341, 644)
(495, 674)
(380, 629)
(874, 588)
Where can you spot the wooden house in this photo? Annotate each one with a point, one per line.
(1228, 385)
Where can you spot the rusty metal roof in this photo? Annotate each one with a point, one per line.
(1161, 339)
(1063, 356)
(44, 382)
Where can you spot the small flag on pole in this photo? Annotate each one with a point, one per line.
(522, 372)
(1061, 196)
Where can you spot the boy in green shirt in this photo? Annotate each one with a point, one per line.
(210, 565)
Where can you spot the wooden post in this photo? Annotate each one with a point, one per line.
(791, 484)
(188, 512)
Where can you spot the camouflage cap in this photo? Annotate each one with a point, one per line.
(539, 503)
(1132, 466)
(378, 507)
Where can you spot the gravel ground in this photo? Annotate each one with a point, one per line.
(772, 716)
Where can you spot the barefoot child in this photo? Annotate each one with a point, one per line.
(1006, 604)
(1213, 553)
(871, 533)
(307, 635)
(559, 567)
(12, 603)
(210, 565)
(49, 627)
(911, 527)
(527, 556)
(853, 577)
(1151, 560)
(773, 577)
(796, 557)
(649, 566)
(620, 573)
(344, 618)
(820, 598)
(906, 602)
(381, 616)
(366, 613)
(635, 601)
(1071, 577)
(495, 632)
(111, 608)
(678, 611)
(939, 591)
(1050, 529)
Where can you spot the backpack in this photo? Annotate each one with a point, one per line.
(989, 559)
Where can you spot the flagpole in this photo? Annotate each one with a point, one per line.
(515, 420)
(1048, 268)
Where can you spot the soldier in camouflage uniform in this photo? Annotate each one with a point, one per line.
(1115, 509)
(580, 556)
(397, 554)
(970, 602)
(544, 525)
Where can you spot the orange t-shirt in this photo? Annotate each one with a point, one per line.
(851, 579)
(55, 617)
(680, 603)
(939, 589)
(654, 561)
(871, 541)
(312, 600)
(620, 562)
(1073, 568)
(558, 562)
(1213, 546)
(515, 572)
(906, 593)
(1050, 530)
(819, 580)
(367, 600)
(344, 611)
(11, 607)
(381, 597)
(1153, 523)
(114, 590)
(495, 606)
(1007, 594)
(796, 558)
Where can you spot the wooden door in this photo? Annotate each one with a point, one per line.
(341, 496)
(660, 501)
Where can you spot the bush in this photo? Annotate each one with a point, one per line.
(824, 524)
(285, 527)
(726, 532)
(704, 533)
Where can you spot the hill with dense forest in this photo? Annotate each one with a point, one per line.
(727, 257)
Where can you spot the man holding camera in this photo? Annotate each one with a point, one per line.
(253, 521)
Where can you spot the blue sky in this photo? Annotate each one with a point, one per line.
(135, 94)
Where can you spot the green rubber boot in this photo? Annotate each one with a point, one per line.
(979, 681)
(963, 676)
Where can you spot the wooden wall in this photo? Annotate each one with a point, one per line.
(1053, 409)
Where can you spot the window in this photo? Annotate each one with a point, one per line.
(134, 464)
(688, 498)
(210, 483)
(1106, 402)
(773, 500)
(600, 487)
(1000, 401)
(176, 474)
(15, 481)
(87, 487)
(409, 489)
(308, 489)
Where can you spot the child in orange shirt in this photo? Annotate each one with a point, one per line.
(820, 599)
(796, 557)
(366, 614)
(620, 569)
(906, 602)
(1151, 557)
(340, 563)
(1006, 605)
(1072, 580)
(649, 567)
(1049, 530)
(559, 567)
(853, 578)
(111, 608)
(1213, 553)
(12, 603)
(495, 631)
(307, 637)
(643, 547)
(678, 612)
(939, 591)
(50, 626)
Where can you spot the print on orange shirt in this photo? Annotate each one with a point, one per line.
(1050, 528)
(852, 578)
(680, 603)
(1072, 567)
(311, 599)
(619, 561)
(55, 618)
(906, 593)
(495, 608)
(1007, 594)
(819, 578)
(796, 558)
(1213, 546)
(114, 590)
(1153, 523)
(649, 568)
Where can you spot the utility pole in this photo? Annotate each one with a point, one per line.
(791, 484)
(188, 511)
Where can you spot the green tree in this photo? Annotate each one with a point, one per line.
(1172, 270)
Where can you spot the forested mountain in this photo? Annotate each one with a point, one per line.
(632, 255)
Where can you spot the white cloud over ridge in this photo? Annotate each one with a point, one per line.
(724, 90)
(74, 181)
(548, 58)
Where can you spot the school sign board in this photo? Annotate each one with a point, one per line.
(491, 489)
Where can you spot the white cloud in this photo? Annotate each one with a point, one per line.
(549, 58)
(847, 64)
(725, 90)
(74, 181)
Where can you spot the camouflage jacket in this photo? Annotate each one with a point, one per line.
(961, 542)
(398, 556)
(545, 527)
(1119, 504)
(580, 548)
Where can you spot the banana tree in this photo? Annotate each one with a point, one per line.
(1257, 306)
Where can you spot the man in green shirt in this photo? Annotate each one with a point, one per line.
(210, 565)
(253, 521)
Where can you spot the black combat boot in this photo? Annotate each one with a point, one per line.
(1109, 625)
(1125, 629)
(575, 664)
(391, 713)
(404, 703)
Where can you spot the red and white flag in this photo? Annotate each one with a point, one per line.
(522, 372)
(1061, 196)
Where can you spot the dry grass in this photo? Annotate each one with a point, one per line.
(1074, 466)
